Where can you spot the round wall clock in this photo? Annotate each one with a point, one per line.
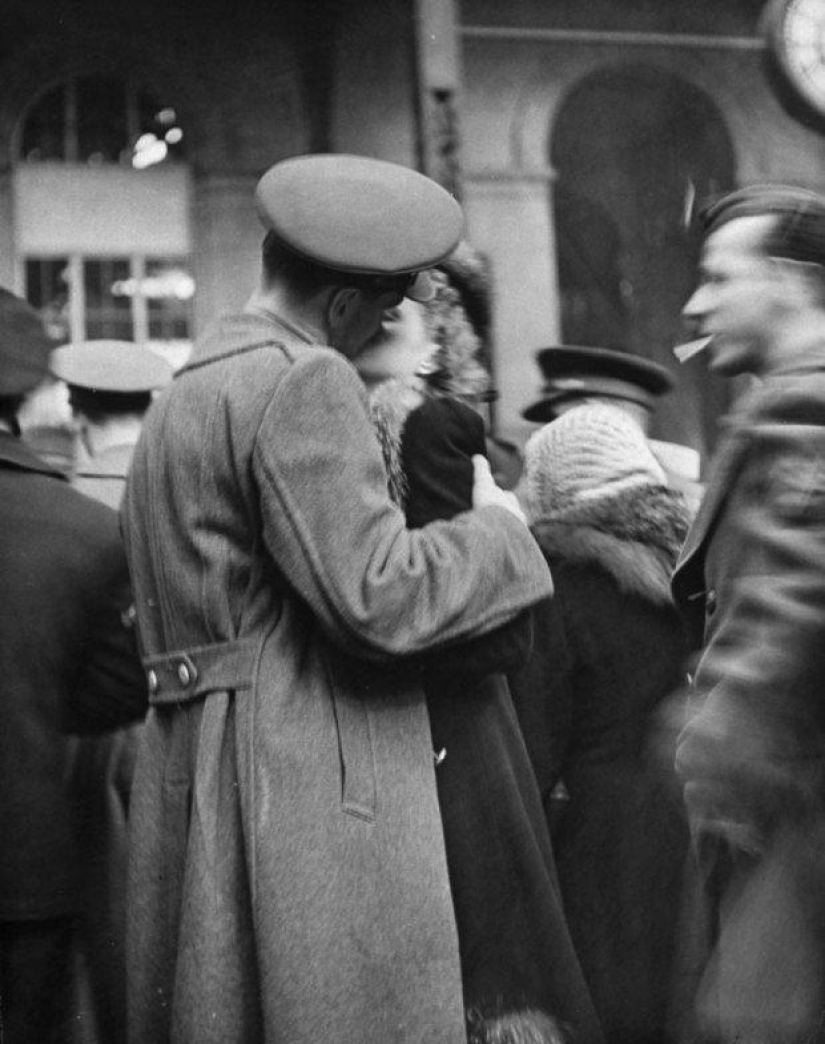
(795, 34)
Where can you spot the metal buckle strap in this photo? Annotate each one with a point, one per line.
(188, 674)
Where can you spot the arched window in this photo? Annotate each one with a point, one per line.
(96, 120)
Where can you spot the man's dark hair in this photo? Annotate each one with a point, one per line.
(305, 277)
(98, 405)
(798, 233)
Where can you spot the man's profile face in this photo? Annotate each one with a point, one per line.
(399, 348)
(738, 301)
(361, 319)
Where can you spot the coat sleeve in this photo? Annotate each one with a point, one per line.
(377, 588)
(753, 750)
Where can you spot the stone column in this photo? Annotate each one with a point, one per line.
(437, 81)
(227, 242)
(9, 277)
(510, 219)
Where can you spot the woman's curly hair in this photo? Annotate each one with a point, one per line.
(457, 321)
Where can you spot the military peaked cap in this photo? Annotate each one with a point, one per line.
(800, 218)
(111, 366)
(571, 371)
(24, 346)
(360, 216)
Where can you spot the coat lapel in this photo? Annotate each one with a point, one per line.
(725, 464)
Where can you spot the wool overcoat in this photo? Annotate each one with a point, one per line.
(751, 580)
(68, 663)
(288, 880)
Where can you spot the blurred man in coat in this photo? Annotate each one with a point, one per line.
(288, 878)
(751, 578)
(67, 662)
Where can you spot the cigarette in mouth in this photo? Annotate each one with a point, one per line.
(683, 352)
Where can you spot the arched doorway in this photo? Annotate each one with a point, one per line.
(634, 149)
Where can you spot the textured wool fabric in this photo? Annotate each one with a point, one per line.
(594, 451)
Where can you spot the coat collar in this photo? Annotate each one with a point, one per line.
(635, 537)
(14, 453)
(806, 358)
(245, 332)
(113, 462)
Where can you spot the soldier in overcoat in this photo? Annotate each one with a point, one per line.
(288, 880)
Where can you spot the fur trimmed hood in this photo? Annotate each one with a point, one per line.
(635, 536)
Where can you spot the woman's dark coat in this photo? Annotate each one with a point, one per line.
(514, 944)
(608, 649)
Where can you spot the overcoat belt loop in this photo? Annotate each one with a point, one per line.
(188, 674)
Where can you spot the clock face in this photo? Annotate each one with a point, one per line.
(796, 35)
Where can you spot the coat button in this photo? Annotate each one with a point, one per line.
(152, 679)
(184, 674)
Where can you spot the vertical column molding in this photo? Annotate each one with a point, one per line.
(438, 80)
(510, 219)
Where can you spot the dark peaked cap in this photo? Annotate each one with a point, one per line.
(360, 216)
(24, 346)
(571, 371)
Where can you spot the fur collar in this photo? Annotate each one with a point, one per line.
(636, 537)
(390, 403)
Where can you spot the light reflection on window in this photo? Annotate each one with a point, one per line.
(137, 298)
(98, 121)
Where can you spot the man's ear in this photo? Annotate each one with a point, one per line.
(342, 303)
(802, 281)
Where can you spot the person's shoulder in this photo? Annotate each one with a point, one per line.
(88, 515)
(451, 413)
(73, 526)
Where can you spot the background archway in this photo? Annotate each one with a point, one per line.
(635, 148)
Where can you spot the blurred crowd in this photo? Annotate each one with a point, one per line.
(331, 716)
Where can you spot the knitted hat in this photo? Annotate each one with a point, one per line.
(595, 451)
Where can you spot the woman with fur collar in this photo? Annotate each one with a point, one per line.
(609, 648)
(515, 948)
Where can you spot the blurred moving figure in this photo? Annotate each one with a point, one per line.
(513, 941)
(110, 386)
(609, 647)
(751, 580)
(68, 662)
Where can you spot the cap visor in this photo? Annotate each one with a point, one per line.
(540, 412)
(422, 288)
